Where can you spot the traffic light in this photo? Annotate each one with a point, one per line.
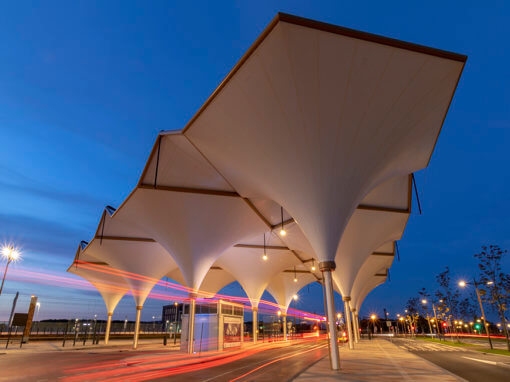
(477, 326)
(444, 324)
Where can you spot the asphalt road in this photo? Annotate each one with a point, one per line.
(270, 363)
(470, 365)
(281, 364)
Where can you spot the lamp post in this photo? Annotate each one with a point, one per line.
(11, 254)
(175, 321)
(475, 284)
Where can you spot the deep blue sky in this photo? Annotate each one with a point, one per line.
(86, 86)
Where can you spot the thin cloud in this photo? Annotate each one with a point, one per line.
(38, 235)
(19, 182)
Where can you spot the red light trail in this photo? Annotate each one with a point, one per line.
(26, 275)
(148, 368)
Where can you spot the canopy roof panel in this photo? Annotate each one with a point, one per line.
(195, 228)
(306, 104)
(175, 162)
(371, 284)
(376, 264)
(106, 280)
(283, 287)
(394, 194)
(111, 286)
(144, 262)
(366, 231)
(252, 272)
(215, 280)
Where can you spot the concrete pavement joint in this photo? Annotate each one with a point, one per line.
(397, 366)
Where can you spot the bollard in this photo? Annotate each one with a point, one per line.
(75, 331)
(65, 334)
(95, 333)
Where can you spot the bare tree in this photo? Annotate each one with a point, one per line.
(412, 307)
(467, 309)
(448, 296)
(494, 283)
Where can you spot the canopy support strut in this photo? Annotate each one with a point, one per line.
(326, 268)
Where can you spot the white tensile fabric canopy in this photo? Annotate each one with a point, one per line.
(187, 207)
(316, 131)
(106, 280)
(284, 289)
(374, 269)
(314, 120)
(215, 280)
(128, 249)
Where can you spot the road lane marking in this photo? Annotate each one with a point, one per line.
(276, 360)
(482, 360)
(314, 347)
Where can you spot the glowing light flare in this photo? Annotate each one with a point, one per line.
(11, 253)
(462, 284)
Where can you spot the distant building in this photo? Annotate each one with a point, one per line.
(172, 314)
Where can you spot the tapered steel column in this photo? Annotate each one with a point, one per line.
(255, 324)
(284, 321)
(347, 309)
(355, 325)
(326, 268)
(191, 323)
(242, 332)
(108, 326)
(137, 326)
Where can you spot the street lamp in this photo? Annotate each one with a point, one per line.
(11, 254)
(264, 256)
(282, 230)
(476, 284)
(38, 306)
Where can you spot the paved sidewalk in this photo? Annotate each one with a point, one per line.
(377, 360)
(113, 345)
